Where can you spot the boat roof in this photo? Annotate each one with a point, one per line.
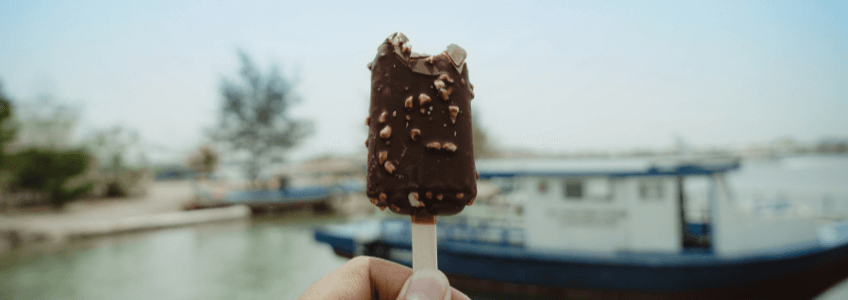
(665, 166)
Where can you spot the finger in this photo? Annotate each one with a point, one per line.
(350, 281)
(457, 295)
(365, 278)
(387, 277)
(429, 284)
(426, 285)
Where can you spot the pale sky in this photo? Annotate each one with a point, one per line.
(548, 76)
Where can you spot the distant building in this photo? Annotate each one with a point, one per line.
(832, 146)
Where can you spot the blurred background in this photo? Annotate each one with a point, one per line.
(179, 149)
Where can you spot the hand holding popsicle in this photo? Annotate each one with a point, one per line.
(420, 150)
(420, 163)
(366, 278)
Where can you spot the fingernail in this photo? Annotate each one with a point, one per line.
(427, 285)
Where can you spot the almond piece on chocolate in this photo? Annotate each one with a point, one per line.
(408, 102)
(445, 93)
(423, 99)
(449, 147)
(445, 77)
(438, 84)
(386, 132)
(414, 133)
(454, 110)
(413, 200)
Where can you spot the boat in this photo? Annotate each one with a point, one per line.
(316, 185)
(655, 229)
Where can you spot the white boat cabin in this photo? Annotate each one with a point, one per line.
(628, 206)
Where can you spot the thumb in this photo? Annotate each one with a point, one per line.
(426, 284)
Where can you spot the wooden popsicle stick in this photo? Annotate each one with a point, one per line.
(424, 247)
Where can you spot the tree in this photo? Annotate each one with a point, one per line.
(254, 120)
(7, 132)
(49, 171)
(204, 161)
(43, 129)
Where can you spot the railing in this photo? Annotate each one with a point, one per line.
(460, 230)
(814, 204)
(803, 203)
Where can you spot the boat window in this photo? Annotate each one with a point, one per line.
(651, 190)
(506, 185)
(598, 189)
(543, 186)
(573, 189)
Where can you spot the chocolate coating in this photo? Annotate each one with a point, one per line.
(436, 116)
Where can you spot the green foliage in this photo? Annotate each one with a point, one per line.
(49, 171)
(7, 132)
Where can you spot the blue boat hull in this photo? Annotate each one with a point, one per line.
(315, 197)
(800, 272)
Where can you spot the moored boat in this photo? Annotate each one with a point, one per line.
(619, 229)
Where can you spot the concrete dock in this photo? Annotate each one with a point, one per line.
(161, 207)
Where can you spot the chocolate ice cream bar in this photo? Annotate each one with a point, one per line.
(420, 151)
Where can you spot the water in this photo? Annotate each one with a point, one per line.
(262, 259)
(274, 258)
